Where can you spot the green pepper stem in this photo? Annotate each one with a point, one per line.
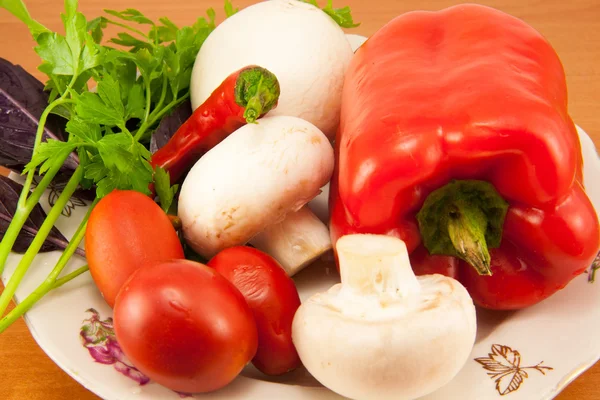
(466, 228)
(463, 219)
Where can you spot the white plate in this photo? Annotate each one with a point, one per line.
(553, 342)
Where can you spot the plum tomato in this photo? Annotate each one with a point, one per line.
(273, 298)
(126, 230)
(185, 326)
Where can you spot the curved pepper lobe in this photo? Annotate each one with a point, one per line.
(466, 93)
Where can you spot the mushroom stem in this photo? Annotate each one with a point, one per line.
(375, 264)
(296, 241)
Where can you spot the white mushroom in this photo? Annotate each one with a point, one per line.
(384, 333)
(299, 43)
(253, 186)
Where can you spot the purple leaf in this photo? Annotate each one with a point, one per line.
(169, 125)
(9, 197)
(22, 102)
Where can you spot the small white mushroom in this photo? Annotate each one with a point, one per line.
(253, 186)
(299, 43)
(384, 333)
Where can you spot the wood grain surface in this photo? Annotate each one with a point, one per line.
(572, 27)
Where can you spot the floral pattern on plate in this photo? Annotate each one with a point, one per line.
(505, 367)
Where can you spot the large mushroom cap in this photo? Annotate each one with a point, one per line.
(300, 44)
(251, 180)
(398, 353)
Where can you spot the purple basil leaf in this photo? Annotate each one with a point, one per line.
(9, 197)
(22, 101)
(132, 373)
(169, 125)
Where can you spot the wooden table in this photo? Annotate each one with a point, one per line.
(571, 26)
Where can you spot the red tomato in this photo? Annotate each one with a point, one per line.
(127, 230)
(273, 298)
(184, 326)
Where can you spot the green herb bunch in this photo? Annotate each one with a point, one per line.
(113, 96)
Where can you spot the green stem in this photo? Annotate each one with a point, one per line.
(166, 109)
(22, 213)
(163, 93)
(69, 277)
(51, 281)
(128, 28)
(463, 219)
(38, 139)
(466, 228)
(145, 124)
(39, 239)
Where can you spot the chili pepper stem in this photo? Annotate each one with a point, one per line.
(257, 90)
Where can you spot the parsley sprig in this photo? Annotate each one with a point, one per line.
(113, 93)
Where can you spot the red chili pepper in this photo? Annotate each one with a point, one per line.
(455, 137)
(243, 97)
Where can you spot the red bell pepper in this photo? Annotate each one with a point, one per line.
(243, 97)
(455, 137)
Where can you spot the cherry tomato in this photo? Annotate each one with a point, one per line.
(127, 230)
(184, 326)
(273, 298)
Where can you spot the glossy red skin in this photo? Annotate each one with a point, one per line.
(466, 93)
(210, 123)
(273, 298)
(127, 230)
(185, 326)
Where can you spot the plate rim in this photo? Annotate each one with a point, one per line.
(552, 393)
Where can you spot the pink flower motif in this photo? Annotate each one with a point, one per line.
(99, 338)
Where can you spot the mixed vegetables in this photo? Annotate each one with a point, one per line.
(455, 180)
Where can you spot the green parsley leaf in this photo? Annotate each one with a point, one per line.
(165, 32)
(19, 10)
(229, 10)
(96, 27)
(84, 161)
(110, 93)
(83, 130)
(90, 56)
(92, 109)
(50, 153)
(342, 16)
(130, 15)
(125, 39)
(135, 102)
(55, 52)
(75, 30)
(164, 190)
(95, 169)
